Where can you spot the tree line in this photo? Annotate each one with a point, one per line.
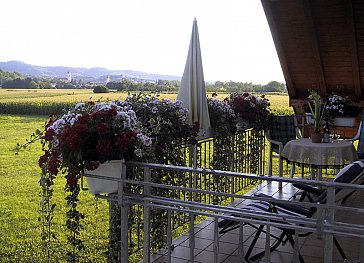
(218, 86)
(16, 80)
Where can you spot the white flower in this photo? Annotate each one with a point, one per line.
(146, 140)
(154, 109)
(138, 152)
(79, 105)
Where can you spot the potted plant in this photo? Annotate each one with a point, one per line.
(317, 110)
(251, 110)
(340, 111)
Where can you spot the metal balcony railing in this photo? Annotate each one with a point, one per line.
(186, 199)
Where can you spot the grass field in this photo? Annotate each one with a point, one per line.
(19, 201)
(19, 189)
(11, 100)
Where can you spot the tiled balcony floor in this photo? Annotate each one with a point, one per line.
(311, 248)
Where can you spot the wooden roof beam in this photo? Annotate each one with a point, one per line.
(267, 6)
(315, 47)
(353, 48)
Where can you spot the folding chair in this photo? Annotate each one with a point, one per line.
(352, 173)
(282, 130)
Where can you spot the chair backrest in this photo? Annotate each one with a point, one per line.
(360, 149)
(351, 174)
(283, 129)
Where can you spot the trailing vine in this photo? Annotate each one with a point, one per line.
(46, 211)
(73, 222)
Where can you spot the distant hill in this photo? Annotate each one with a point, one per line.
(78, 73)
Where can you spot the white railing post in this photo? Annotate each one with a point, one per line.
(361, 256)
(169, 236)
(146, 237)
(124, 257)
(329, 220)
(241, 252)
(216, 239)
(267, 243)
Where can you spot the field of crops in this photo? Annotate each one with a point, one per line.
(19, 174)
(45, 102)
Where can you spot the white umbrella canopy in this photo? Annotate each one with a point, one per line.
(192, 91)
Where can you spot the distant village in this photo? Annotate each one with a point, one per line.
(15, 80)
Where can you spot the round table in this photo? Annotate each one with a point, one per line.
(334, 153)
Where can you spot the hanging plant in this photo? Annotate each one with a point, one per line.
(83, 138)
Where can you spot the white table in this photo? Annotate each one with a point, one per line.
(334, 153)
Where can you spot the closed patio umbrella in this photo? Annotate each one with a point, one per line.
(192, 90)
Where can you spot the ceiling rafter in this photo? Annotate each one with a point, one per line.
(315, 47)
(353, 48)
(267, 6)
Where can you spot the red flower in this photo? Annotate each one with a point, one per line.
(53, 164)
(50, 122)
(104, 148)
(102, 128)
(43, 159)
(49, 134)
(96, 114)
(125, 140)
(112, 112)
(72, 179)
(84, 118)
(81, 128)
(92, 165)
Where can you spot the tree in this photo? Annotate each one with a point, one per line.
(101, 89)
(275, 86)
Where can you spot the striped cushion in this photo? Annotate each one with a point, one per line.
(351, 173)
(265, 207)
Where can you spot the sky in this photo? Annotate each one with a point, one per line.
(145, 35)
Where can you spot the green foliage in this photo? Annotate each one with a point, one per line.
(18, 81)
(34, 108)
(231, 87)
(101, 89)
(20, 199)
(317, 109)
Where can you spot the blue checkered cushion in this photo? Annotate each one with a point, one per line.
(283, 130)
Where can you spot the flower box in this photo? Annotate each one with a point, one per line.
(344, 121)
(111, 169)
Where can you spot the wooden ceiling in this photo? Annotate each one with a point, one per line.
(320, 45)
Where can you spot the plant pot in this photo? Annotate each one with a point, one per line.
(344, 121)
(111, 169)
(316, 137)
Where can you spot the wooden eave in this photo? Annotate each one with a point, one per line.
(320, 45)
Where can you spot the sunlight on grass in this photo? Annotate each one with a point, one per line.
(19, 201)
(19, 189)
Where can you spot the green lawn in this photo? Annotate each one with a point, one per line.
(20, 230)
(19, 202)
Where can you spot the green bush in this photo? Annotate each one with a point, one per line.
(101, 89)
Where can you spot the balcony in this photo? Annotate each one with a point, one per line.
(177, 220)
